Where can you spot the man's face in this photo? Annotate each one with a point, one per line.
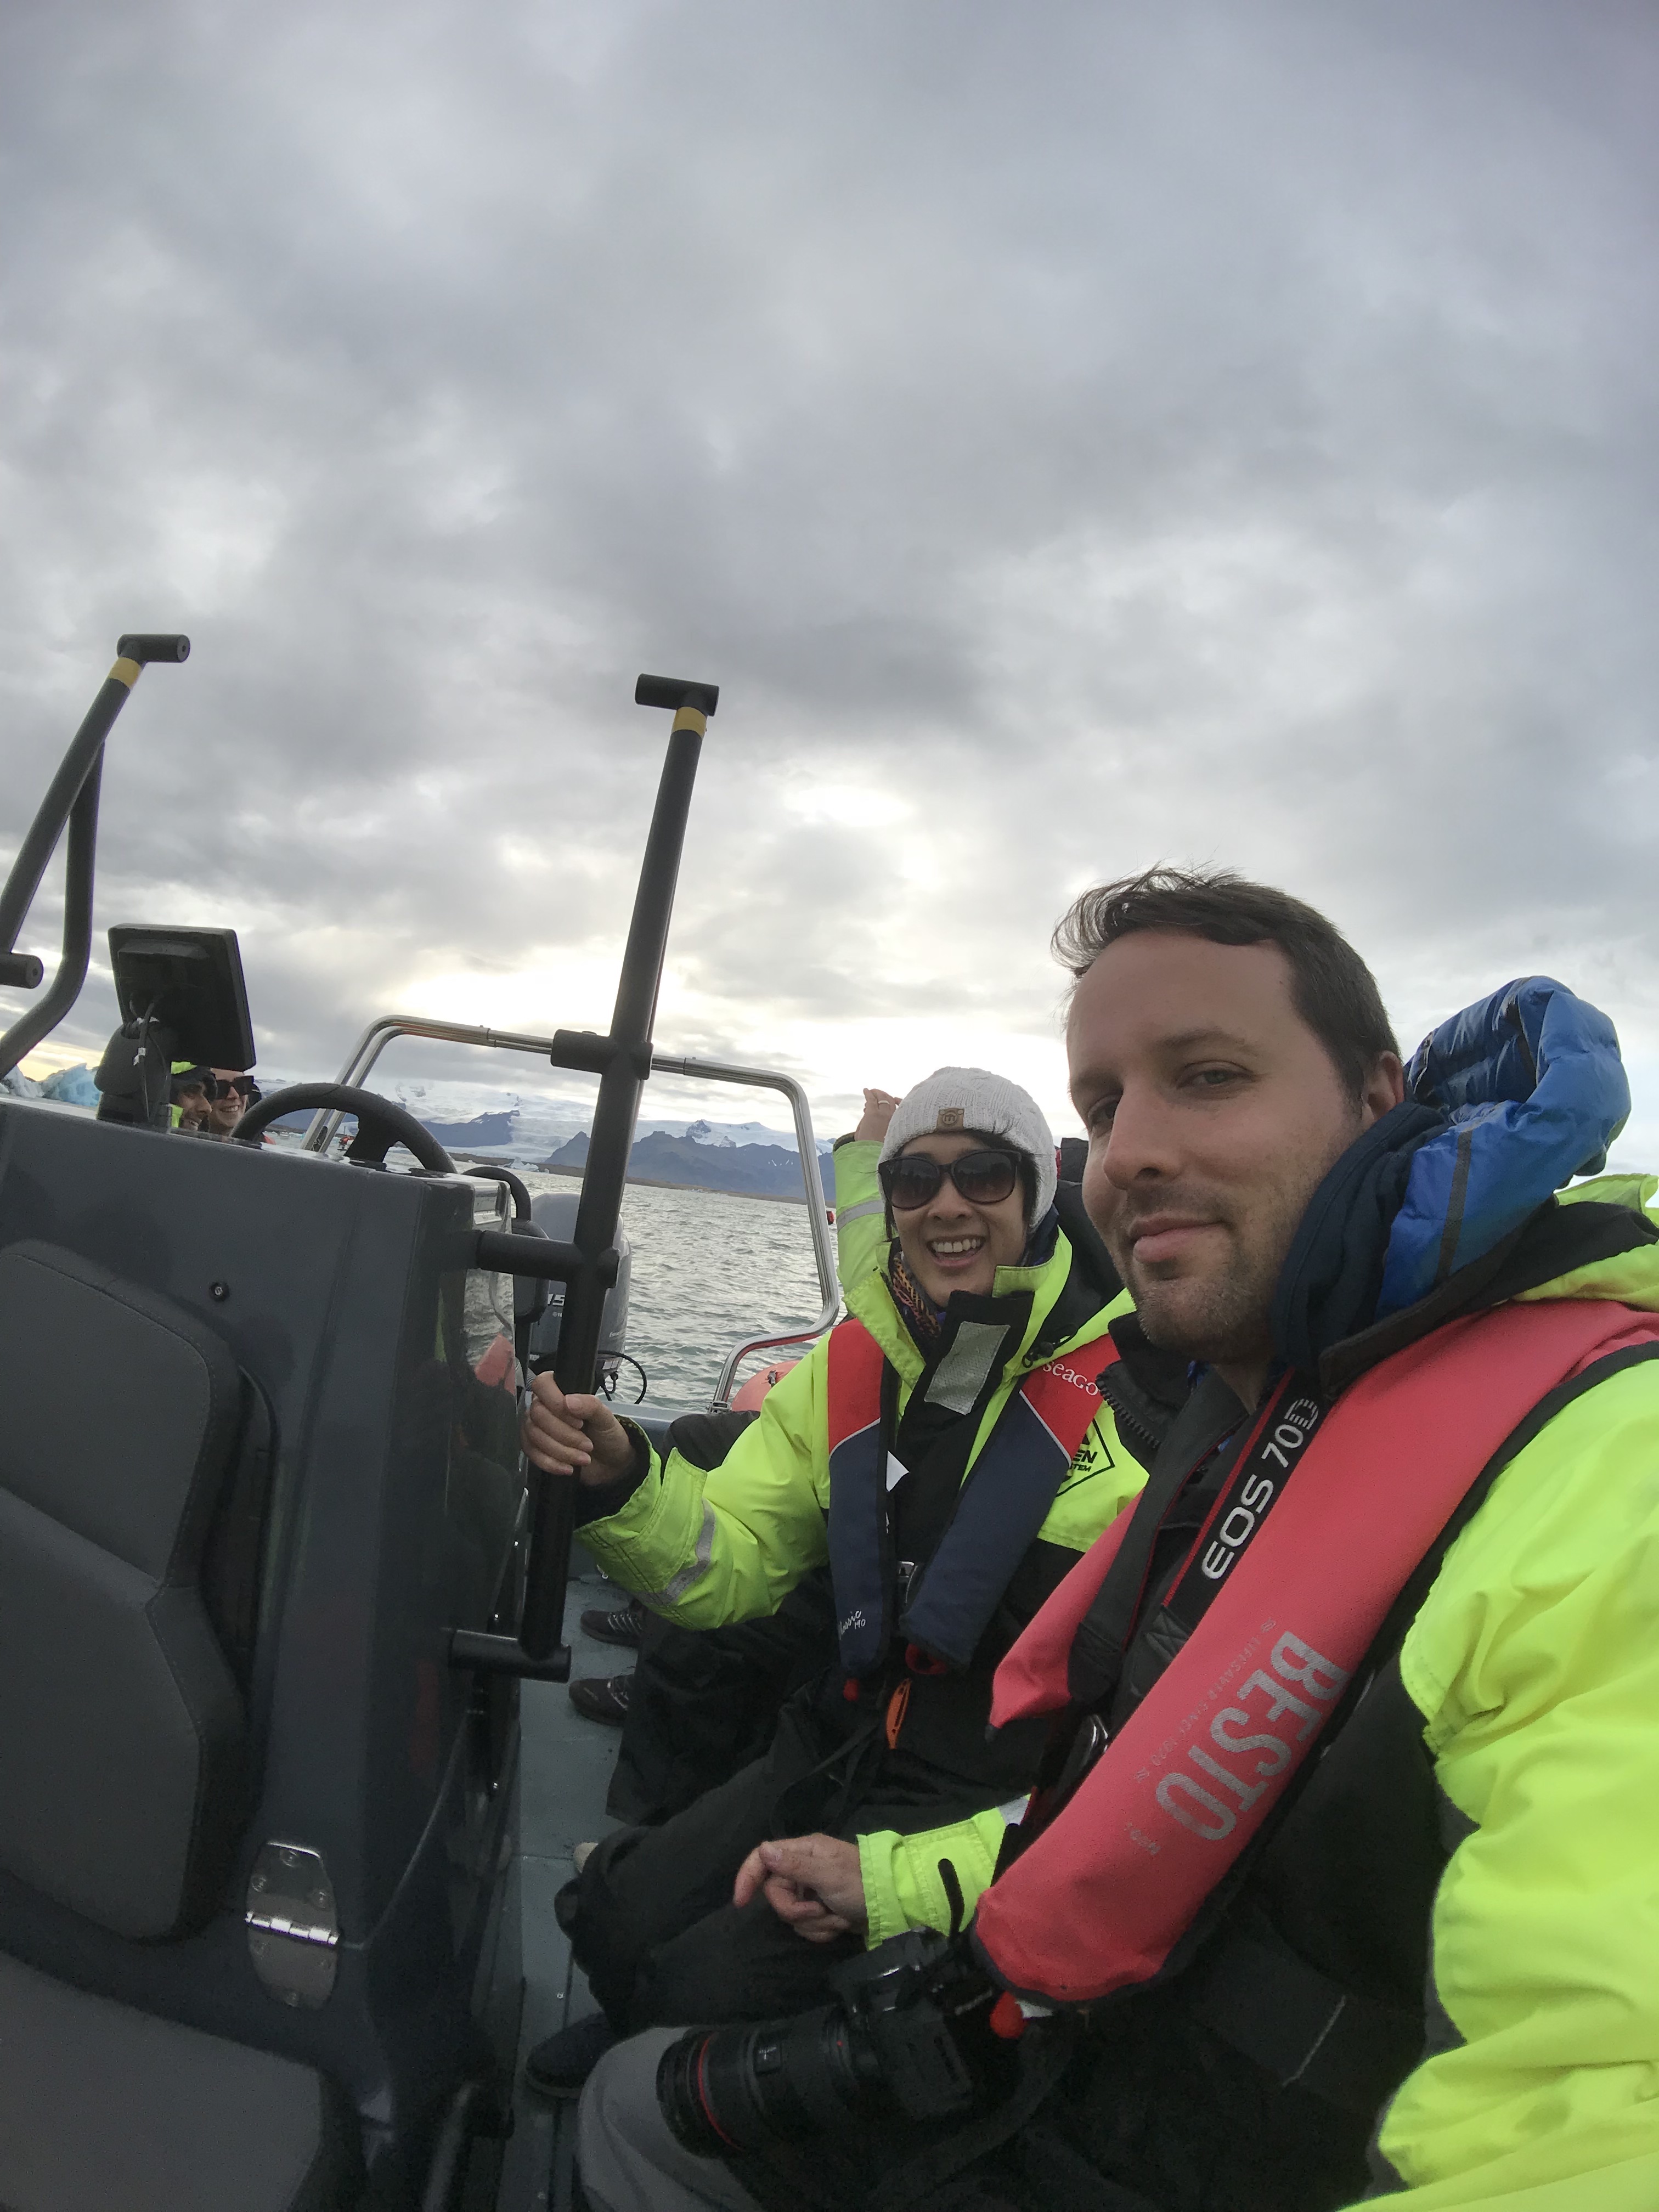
(1214, 1113)
(192, 1106)
(951, 1245)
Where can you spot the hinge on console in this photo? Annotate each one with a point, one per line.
(293, 1931)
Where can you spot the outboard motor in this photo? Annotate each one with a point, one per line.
(554, 1213)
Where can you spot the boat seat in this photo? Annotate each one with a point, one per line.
(125, 1427)
(103, 2106)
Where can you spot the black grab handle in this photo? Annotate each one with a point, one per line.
(71, 798)
(674, 691)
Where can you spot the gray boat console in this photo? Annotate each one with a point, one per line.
(277, 1592)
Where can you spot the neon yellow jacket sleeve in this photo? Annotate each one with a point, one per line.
(861, 1211)
(1535, 1663)
(902, 1886)
(730, 1544)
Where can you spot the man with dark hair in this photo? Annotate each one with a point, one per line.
(193, 1088)
(1332, 989)
(1342, 1886)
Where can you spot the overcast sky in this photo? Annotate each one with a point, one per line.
(1072, 435)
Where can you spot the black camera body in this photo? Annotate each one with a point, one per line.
(907, 2027)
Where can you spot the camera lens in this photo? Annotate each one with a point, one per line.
(733, 2088)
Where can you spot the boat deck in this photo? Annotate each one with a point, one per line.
(564, 1772)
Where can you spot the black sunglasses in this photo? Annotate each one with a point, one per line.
(243, 1085)
(915, 1179)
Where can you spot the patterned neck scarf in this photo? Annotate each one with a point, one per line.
(921, 1315)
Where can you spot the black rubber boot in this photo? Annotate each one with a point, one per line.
(559, 2067)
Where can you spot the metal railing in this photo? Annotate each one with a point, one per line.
(379, 1034)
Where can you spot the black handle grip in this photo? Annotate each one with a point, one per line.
(21, 970)
(584, 1049)
(676, 691)
(143, 646)
(541, 1257)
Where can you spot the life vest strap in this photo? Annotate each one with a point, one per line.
(1302, 2028)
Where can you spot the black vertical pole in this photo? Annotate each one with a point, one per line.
(71, 798)
(622, 1060)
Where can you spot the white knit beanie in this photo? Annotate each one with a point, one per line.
(973, 1100)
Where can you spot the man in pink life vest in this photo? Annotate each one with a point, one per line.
(1337, 1882)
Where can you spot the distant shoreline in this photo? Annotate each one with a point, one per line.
(714, 1190)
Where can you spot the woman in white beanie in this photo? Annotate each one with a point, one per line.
(946, 1450)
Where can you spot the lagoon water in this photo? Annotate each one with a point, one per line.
(709, 1270)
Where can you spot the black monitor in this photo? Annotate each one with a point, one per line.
(190, 982)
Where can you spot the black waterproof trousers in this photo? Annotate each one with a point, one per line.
(650, 1917)
(704, 1702)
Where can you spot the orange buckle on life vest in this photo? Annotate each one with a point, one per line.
(897, 1705)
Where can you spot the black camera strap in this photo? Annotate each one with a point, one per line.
(1044, 2052)
(1267, 1461)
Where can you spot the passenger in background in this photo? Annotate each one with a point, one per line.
(191, 1093)
(233, 1093)
(968, 1369)
(862, 1236)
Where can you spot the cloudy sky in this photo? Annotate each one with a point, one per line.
(1072, 435)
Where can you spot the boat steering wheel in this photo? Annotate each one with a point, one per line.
(381, 1123)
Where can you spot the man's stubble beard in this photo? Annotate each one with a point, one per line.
(1225, 1318)
(1218, 1320)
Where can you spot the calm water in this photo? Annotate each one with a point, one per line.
(709, 1270)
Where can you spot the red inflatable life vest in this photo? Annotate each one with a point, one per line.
(1098, 1900)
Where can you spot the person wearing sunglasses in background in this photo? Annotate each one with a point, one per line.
(947, 1452)
(191, 1095)
(233, 1092)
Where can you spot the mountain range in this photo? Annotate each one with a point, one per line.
(746, 1171)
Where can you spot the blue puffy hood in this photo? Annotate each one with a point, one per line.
(1505, 1103)
(1535, 1092)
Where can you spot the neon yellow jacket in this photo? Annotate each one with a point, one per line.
(861, 1211)
(705, 1547)
(1534, 1662)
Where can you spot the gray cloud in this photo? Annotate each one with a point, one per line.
(1072, 436)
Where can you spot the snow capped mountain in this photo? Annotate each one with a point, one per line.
(539, 1125)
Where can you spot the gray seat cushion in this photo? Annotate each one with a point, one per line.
(122, 1733)
(102, 2106)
